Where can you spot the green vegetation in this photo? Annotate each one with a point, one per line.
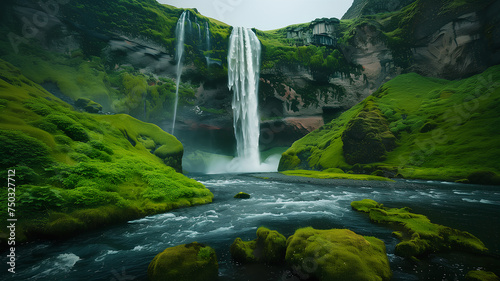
(188, 262)
(269, 247)
(338, 254)
(78, 171)
(419, 236)
(444, 130)
(332, 175)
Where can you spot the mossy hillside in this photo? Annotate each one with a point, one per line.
(269, 247)
(189, 262)
(420, 236)
(332, 174)
(445, 129)
(337, 254)
(148, 137)
(81, 171)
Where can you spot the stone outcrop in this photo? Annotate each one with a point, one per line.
(269, 247)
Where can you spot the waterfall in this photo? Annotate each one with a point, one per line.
(243, 78)
(179, 34)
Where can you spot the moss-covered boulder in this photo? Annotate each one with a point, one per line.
(419, 236)
(188, 262)
(269, 247)
(337, 254)
(479, 275)
(367, 138)
(242, 195)
(88, 105)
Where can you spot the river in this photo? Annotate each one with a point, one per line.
(123, 252)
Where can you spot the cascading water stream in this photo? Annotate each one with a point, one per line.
(180, 35)
(243, 78)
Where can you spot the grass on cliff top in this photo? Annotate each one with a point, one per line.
(76, 171)
(333, 175)
(445, 129)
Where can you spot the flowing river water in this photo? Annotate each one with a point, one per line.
(123, 252)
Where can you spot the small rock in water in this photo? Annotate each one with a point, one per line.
(242, 195)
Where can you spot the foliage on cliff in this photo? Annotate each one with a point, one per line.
(77, 171)
(443, 129)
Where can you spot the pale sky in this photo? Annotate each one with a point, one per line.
(265, 14)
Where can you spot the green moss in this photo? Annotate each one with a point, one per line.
(480, 275)
(88, 105)
(64, 227)
(420, 237)
(168, 148)
(188, 262)
(329, 175)
(269, 247)
(334, 170)
(432, 128)
(337, 254)
(242, 195)
(367, 138)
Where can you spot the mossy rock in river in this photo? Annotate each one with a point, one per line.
(420, 236)
(479, 275)
(269, 247)
(338, 254)
(187, 262)
(484, 177)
